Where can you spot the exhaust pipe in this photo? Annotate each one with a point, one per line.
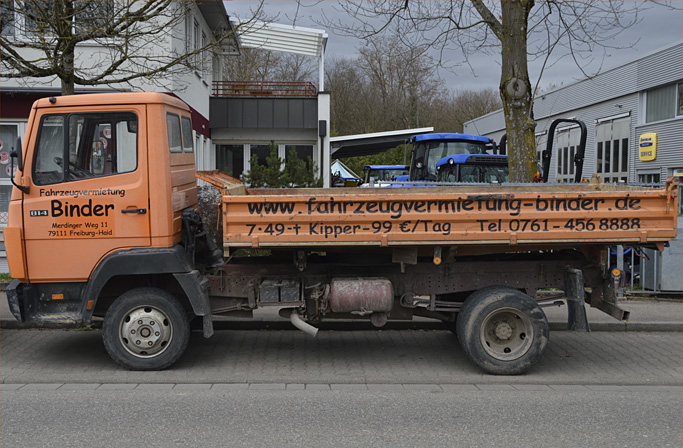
(301, 325)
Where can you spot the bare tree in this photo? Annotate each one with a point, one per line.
(126, 31)
(403, 77)
(252, 65)
(296, 67)
(349, 107)
(255, 64)
(385, 88)
(449, 112)
(517, 30)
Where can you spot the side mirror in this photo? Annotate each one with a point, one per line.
(16, 154)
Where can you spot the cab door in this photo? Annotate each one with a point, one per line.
(88, 190)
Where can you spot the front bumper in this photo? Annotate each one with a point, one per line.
(46, 304)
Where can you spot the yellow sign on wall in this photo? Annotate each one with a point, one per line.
(647, 147)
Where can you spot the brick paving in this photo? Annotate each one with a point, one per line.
(413, 360)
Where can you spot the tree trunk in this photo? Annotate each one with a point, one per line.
(67, 78)
(515, 91)
(64, 11)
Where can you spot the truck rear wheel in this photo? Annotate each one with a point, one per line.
(502, 330)
(146, 329)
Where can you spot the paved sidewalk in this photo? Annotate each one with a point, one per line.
(646, 315)
(608, 359)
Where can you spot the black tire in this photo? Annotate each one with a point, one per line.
(146, 329)
(502, 330)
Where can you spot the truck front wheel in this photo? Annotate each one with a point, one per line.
(146, 329)
(502, 330)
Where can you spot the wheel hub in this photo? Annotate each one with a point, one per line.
(145, 332)
(506, 334)
(503, 331)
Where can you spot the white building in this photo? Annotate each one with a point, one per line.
(232, 119)
(619, 106)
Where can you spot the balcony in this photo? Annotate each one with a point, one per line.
(271, 89)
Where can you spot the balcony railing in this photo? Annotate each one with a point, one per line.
(264, 88)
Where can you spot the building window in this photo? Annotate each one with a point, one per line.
(651, 178)
(5, 196)
(90, 15)
(8, 139)
(215, 69)
(230, 159)
(303, 152)
(196, 45)
(36, 14)
(565, 164)
(664, 102)
(261, 152)
(541, 142)
(612, 149)
(188, 33)
(567, 146)
(6, 19)
(202, 57)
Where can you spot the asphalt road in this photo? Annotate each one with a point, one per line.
(648, 417)
(343, 389)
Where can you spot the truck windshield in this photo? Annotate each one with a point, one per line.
(427, 153)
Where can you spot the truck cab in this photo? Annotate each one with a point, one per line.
(105, 194)
(94, 181)
(428, 149)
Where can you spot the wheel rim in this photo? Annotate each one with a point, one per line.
(506, 334)
(145, 331)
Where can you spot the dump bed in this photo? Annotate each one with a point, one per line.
(534, 214)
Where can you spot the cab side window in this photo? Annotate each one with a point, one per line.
(179, 137)
(175, 142)
(187, 134)
(83, 146)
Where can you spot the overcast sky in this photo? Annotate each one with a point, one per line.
(659, 27)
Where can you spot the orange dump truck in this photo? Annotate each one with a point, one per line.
(103, 224)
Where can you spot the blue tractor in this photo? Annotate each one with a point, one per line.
(379, 175)
(453, 157)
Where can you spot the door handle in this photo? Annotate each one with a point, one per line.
(139, 211)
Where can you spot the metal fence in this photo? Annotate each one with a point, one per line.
(264, 88)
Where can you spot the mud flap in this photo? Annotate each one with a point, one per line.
(196, 288)
(13, 300)
(574, 294)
